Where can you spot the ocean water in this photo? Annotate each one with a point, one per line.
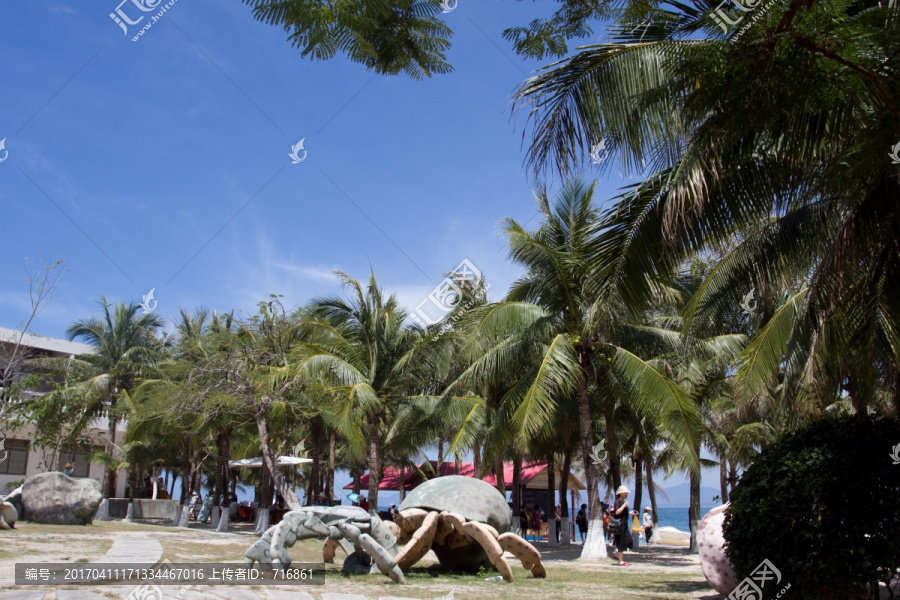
(678, 518)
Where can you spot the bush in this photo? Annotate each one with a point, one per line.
(823, 506)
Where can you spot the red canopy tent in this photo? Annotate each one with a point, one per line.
(534, 476)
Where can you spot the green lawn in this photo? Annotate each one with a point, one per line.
(665, 574)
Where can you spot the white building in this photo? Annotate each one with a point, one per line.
(23, 458)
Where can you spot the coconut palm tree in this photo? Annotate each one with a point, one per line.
(357, 347)
(580, 334)
(802, 178)
(125, 350)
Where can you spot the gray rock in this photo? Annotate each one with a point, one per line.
(58, 499)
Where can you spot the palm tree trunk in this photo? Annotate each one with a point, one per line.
(269, 457)
(476, 457)
(108, 475)
(732, 477)
(402, 480)
(517, 493)
(638, 485)
(498, 471)
(357, 477)
(595, 542)
(612, 447)
(374, 464)
(694, 511)
(551, 504)
(651, 491)
(893, 379)
(563, 497)
(315, 468)
(186, 476)
(723, 480)
(329, 484)
(221, 454)
(440, 457)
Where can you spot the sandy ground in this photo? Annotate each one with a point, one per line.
(653, 573)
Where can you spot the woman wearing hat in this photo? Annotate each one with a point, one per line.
(620, 511)
(648, 523)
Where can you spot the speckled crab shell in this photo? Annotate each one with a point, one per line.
(472, 498)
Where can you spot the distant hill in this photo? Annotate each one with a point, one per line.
(680, 496)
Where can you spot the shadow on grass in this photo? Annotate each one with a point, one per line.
(684, 587)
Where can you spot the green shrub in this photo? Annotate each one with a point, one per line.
(823, 506)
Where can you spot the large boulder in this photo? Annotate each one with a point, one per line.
(58, 499)
(715, 565)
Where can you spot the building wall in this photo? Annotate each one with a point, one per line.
(36, 460)
(28, 345)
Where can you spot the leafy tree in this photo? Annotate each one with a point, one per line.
(125, 350)
(822, 506)
(387, 36)
(409, 36)
(57, 419)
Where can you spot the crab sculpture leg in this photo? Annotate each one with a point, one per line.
(271, 550)
(420, 529)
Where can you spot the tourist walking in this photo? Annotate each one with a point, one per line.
(581, 519)
(523, 521)
(648, 524)
(618, 523)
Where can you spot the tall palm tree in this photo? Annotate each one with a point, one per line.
(801, 176)
(125, 350)
(573, 318)
(357, 346)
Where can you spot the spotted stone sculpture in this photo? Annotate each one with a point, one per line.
(8, 515)
(716, 568)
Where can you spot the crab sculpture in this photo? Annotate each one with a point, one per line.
(364, 537)
(466, 522)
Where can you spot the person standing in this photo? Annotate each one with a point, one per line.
(68, 469)
(536, 515)
(557, 516)
(648, 524)
(523, 521)
(364, 503)
(606, 535)
(581, 519)
(621, 533)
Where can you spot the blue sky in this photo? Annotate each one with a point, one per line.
(163, 163)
